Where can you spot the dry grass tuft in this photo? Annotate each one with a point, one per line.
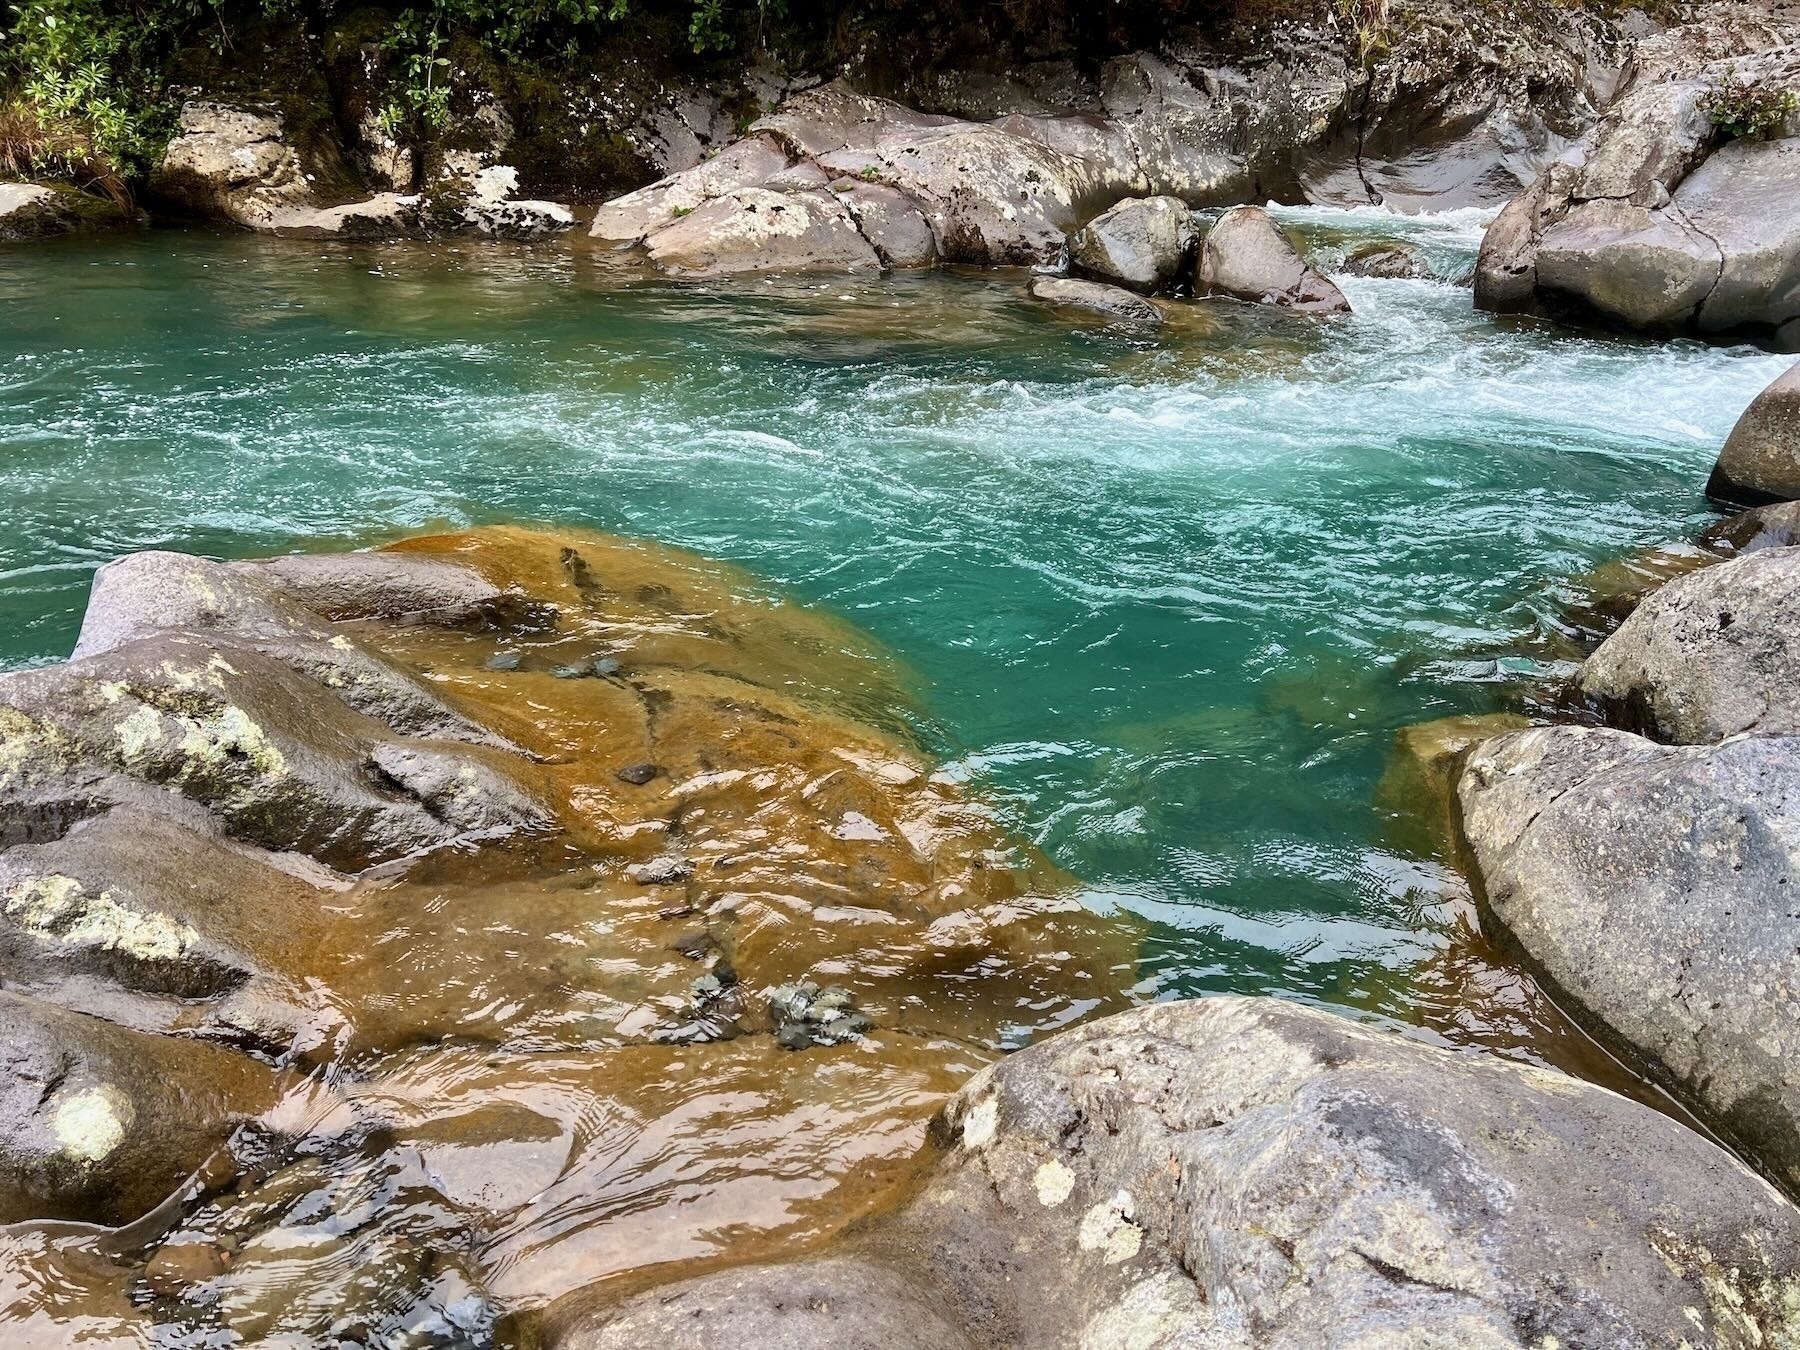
(31, 145)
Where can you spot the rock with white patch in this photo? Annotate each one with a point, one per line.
(280, 762)
(1244, 1172)
(154, 592)
(101, 1123)
(37, 211)
(758, 230)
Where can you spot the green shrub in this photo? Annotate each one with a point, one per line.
(1744, 110)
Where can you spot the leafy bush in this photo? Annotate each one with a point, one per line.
(1744, 110)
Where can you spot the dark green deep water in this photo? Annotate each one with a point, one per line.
(1168, 598)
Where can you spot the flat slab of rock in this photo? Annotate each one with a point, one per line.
(1248, 256)
(1712, 654)
(757, 230)
(1141, 243)
(1653, 886)
(34, 211)
(1245, 1172)
(1114, 301)
(1760, 461)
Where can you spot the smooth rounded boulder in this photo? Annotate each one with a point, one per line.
(1248, 256)
(1712, 654)
(1652, 887)
(1247, 1172)
(1141, 243)
(1760, 462)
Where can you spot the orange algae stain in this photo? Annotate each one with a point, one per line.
(579, 1052)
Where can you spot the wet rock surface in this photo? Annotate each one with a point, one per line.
(1247, 256)
(1246, 1172)
(1113, 301)
(1760, 461)
(420, 987)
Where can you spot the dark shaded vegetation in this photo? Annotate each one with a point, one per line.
(90, 89)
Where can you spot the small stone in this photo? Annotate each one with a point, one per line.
(793, 1036)
(694, 946)
(580, 670)
(789, 1002)
(664, 871)
(637, 774)
(179, 1265)
(606, 665)
(503, 661)
(677, 911)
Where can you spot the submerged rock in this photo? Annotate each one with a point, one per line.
(1114, 301)
(237, 831)
(1712, 654)
(1653, 886)
(1247, 1172)
(1247, 255)
(1760, 461)
(1142, 242)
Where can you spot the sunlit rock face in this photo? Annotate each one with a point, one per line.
(536, 909)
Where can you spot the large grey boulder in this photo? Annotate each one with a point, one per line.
(1712, 654)
(629, 219)
(1141, 243)
(1760, 461)
(1113, 301)
(1248, 256)
(281, 763)
(1241, 1173)
(232, 163)
(1657, 222)
(1653, 887)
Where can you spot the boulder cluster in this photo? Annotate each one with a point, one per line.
(1677, 212)
(1647, 864)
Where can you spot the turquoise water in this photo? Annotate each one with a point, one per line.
(1168, 597)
